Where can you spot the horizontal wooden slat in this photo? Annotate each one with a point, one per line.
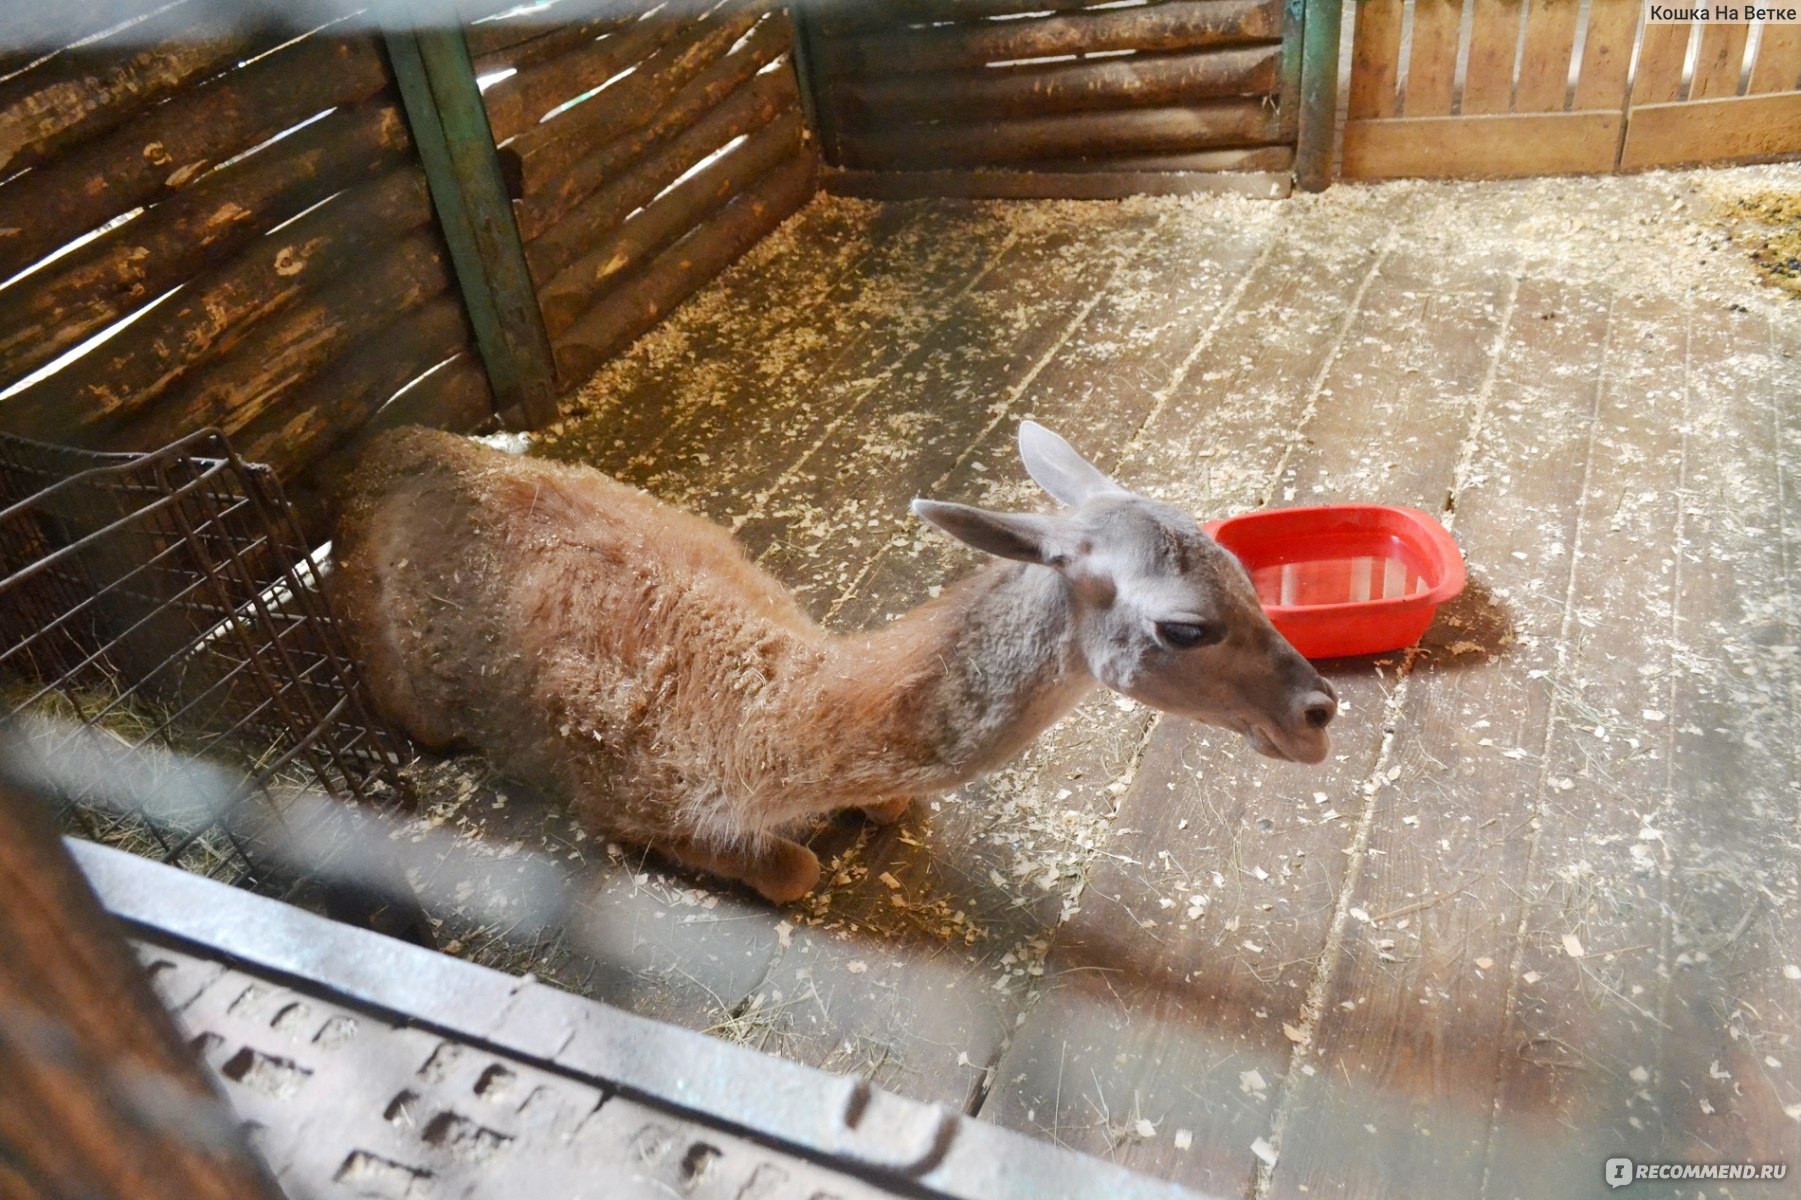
(172, 144)
(293, 345)
(989, 184)
(328, 409)
(82, 93)
(655, 103)
(639, 178)
(1138, 80)
(541, 43)
(1258, 158)
(502, 25)
(519, 101)
(48, 311)
(1176, 25)
(215, 311)
(859, 15)
(1503, 146)
(1739, 129)
(669, 216)
(648, 296)
(1201, 126)
(549, 149)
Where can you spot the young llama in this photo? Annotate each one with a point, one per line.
(627, 657)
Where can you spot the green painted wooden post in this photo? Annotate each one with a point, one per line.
(450, 128)
(1319, 93)
(1294, 20)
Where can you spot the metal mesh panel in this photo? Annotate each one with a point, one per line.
(167, 601)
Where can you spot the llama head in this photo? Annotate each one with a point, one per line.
(1159, 611)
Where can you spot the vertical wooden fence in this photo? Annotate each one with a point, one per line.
(1496, 88)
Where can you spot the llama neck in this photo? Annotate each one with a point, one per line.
(962, 684)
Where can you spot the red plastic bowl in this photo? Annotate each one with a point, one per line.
(1341, 579)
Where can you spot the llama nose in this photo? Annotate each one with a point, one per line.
(1319, 707)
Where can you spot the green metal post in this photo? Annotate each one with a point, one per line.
(1319, 93)
(450, 128)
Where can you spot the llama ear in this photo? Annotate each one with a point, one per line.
(1056, 467)
(1028, 537)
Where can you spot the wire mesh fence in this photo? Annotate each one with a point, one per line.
(168, 601)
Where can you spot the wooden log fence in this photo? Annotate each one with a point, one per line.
(657, 165)
(907, 92)
(82, 292)
(674, 275)
(302, 235)
(216, 310)
(665, 218)
(628, 198)
(556, 147)
(174, 144)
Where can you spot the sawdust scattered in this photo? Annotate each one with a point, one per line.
(803, 413)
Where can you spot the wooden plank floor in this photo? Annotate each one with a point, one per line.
(1538, 909)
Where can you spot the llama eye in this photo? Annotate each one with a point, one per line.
(1186, 635)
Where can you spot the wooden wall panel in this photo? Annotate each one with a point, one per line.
(213, 240)
(1531, 104)
(629, 197)
(926, 86)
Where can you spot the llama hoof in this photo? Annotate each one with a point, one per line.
(788, 872)
(888, 811)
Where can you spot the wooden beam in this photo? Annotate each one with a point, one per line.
(175, 143)
(216, 309)
(197, 228)
(1159, 28)
(1288, 97)
(102, 1099)
(456, 146)
(1051, 185)
(1498, 146)
(660, 116)
(1202, 125)
(1735, 129)
(1086, 85)
(686, 206)
(648, 295)
(1320, 30)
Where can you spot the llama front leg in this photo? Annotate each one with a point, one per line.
(777, 869)
(886, 812)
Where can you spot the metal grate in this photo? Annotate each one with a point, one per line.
(168, 601)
